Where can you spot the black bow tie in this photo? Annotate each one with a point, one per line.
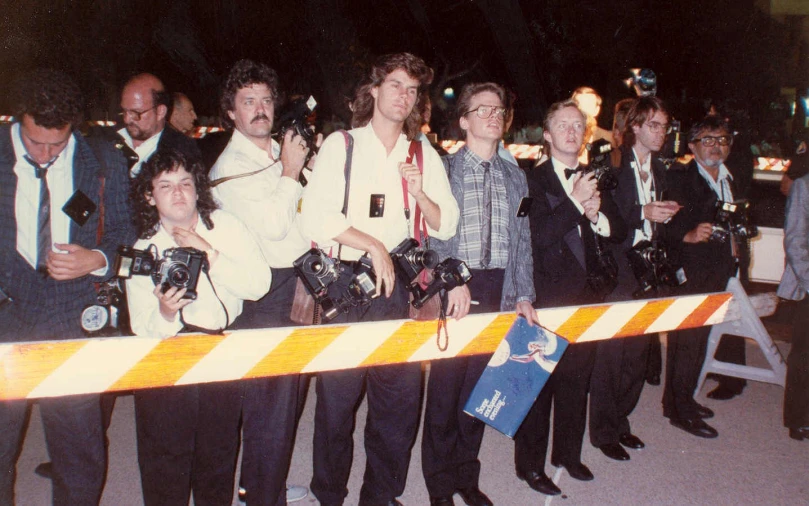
(569, 172)
(39, 170)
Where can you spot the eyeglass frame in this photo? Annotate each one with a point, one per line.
(655, 127)
(136, 115)
(501, 114)
(714, 140)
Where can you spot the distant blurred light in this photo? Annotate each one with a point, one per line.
(449, 93)
(643, 81)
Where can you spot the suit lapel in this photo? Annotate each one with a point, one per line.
(85, 178)
(556, 195)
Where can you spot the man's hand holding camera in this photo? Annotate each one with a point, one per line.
(660, 212)
(293, 154)
(700, 233)
(584, 187)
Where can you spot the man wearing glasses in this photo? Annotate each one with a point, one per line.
(144, 113)
(708, 264)
(489, 191)
(620, 364)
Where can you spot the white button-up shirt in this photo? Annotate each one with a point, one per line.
(144, 151)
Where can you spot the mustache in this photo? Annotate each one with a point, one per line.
(260, 117)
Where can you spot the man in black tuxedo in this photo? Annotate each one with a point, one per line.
(707, 261)
(620, 364)
(52, 250)
(568, 215)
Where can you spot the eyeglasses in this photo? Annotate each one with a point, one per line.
(486, 111)
(656, 127)
(710, 141)
(136, 115)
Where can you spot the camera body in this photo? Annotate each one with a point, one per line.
(336, 285)
(296, 116)
(179, 267)
(109, 315)
(449, 274)
(600, 164)
(409, 261)
(732, 218)
(652, 268)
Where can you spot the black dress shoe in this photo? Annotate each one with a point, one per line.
(539, 482)
(472, 496)
(722, 393)
(577, 471)
(695, 426)
(614, 451)
(631, 441)
(704, 412)
(442, 501)
(45, 470)
(653, 379)
(799, 433)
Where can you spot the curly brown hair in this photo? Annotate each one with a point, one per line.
(243, 74)
(145, 215)
(363, 103)
(50, 97)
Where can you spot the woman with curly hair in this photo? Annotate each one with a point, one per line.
(188, 435)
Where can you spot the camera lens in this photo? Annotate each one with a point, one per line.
(427, 259)
(178, 276)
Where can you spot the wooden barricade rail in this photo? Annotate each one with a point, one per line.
(57, 368)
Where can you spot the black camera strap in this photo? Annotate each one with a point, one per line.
(193, 328)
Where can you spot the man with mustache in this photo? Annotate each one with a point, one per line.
(144, 112)
(256, 179)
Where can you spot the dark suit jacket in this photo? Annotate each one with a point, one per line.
(560, 253)
(707, 265)
(172, 139)
(44, 308)
(625, 196)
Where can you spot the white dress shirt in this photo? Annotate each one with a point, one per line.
(373, 171)
(645, 195)
(266, 202)
(26, 205)
(721, 187)
(602, 225)
(238, 274)
(144, 151)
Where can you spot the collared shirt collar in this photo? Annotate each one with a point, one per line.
(472, 160)
(242, 143)
(717, 186)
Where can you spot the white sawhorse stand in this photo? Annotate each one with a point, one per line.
(747, 325)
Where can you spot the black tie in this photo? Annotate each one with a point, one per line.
(44, 214)
(569, 172)
(486, 229)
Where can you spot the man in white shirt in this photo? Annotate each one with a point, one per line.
(256, 179)
(52, 250)
(144, 113)
(383, 185)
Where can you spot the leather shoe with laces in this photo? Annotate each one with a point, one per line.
(631, 441)
(472, 496)
(539, 482)
(442, 501)
(695, 426)
(614, 451)
(577, 470)
(704, 412)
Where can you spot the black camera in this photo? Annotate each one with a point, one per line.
(601, 165)
(732, 218)
(336, 285)
(447, 275)
(603, 279)
(109, 316)
(409, 261)
(179, 267)
(297, 116)
(652, 268)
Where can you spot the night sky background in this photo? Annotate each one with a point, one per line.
(542, 50)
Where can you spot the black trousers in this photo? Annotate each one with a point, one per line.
(566, 389)
(75, 441)
(394, 397)
(271, 405)
(796, 394)
(451, 439)
(188, 440)
(685, 353)
(619, 372)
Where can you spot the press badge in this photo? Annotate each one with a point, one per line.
(377, 205)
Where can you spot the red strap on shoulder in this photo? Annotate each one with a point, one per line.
(418, 220)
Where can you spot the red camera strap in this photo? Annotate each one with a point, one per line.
(418, 220)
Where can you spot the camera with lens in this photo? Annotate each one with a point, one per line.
(652, 268)
(449, 274)
(179, 267)
(297, 116)
(600, 164)
(109, 316)
(732, 218)
(336, 286)
(409, 261)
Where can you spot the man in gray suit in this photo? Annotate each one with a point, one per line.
(489, 190)
(794, 286)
